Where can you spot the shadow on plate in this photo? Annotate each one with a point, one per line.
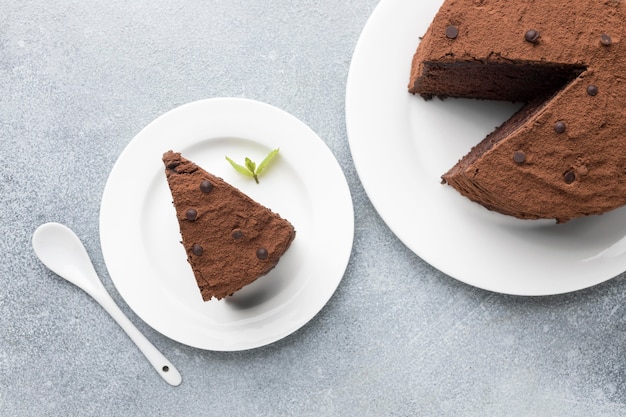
(255, 294)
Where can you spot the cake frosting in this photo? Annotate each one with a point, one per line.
(230, 239)
(563, 155)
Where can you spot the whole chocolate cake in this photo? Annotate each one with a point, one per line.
(563, 155)
(230, 239)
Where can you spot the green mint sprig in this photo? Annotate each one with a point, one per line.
(250, 168)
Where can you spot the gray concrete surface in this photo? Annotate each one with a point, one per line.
(79, 79)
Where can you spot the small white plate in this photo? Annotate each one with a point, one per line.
(402, 144)
(141, 241)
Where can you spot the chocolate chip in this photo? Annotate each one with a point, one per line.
(605, 40)
(261, 253)
(237, 234)
(206, 186)
(197, 249)
(569, 176)
(191, 214)
(452, 32)
(531, 36)
(519, 157)
(559, 127)
(592, 90)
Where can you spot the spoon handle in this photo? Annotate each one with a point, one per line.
(61, 250)
(160, 363)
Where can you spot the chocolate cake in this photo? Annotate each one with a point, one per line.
(230, 239)
(563, 155)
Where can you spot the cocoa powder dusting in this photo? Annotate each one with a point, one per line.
(226, 263)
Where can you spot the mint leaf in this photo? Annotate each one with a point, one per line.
(250, 165)
(264, 163)
(241, 169)
(251, 169)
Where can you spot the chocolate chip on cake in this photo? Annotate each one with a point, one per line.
(592, 90)
(531, 36)
(452, 32)
(605, 40)
(191, 214)
(262, 253)
(519, 157)
(559, 127)
(197, 250)
(206, 186)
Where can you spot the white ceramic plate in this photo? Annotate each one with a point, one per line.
(305, 184)
(402, 144)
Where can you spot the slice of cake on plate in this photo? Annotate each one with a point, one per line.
(563, 155)
(230, 239)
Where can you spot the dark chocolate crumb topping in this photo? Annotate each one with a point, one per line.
(172, 165)
(605, 40)
(206, 186)
(519, 157)
(191, 214)
(592, 90)
(261, 253)
(559, 127)
(531, 35)
(197, 249)
(569, 176)
(452, 32)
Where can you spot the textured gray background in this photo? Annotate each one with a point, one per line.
(78, 79)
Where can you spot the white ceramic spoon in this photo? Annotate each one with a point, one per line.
(61, 251)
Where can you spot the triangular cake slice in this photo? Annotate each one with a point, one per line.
(230, 239)
(563, 155)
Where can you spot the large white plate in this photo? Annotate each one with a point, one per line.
(305, 184)
(402, 144)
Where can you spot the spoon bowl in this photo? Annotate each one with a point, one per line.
(59, 249)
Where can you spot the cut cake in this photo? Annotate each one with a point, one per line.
(563, 155)
(230, 239)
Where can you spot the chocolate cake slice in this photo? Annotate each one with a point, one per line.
(230, 239)
(563, 155)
